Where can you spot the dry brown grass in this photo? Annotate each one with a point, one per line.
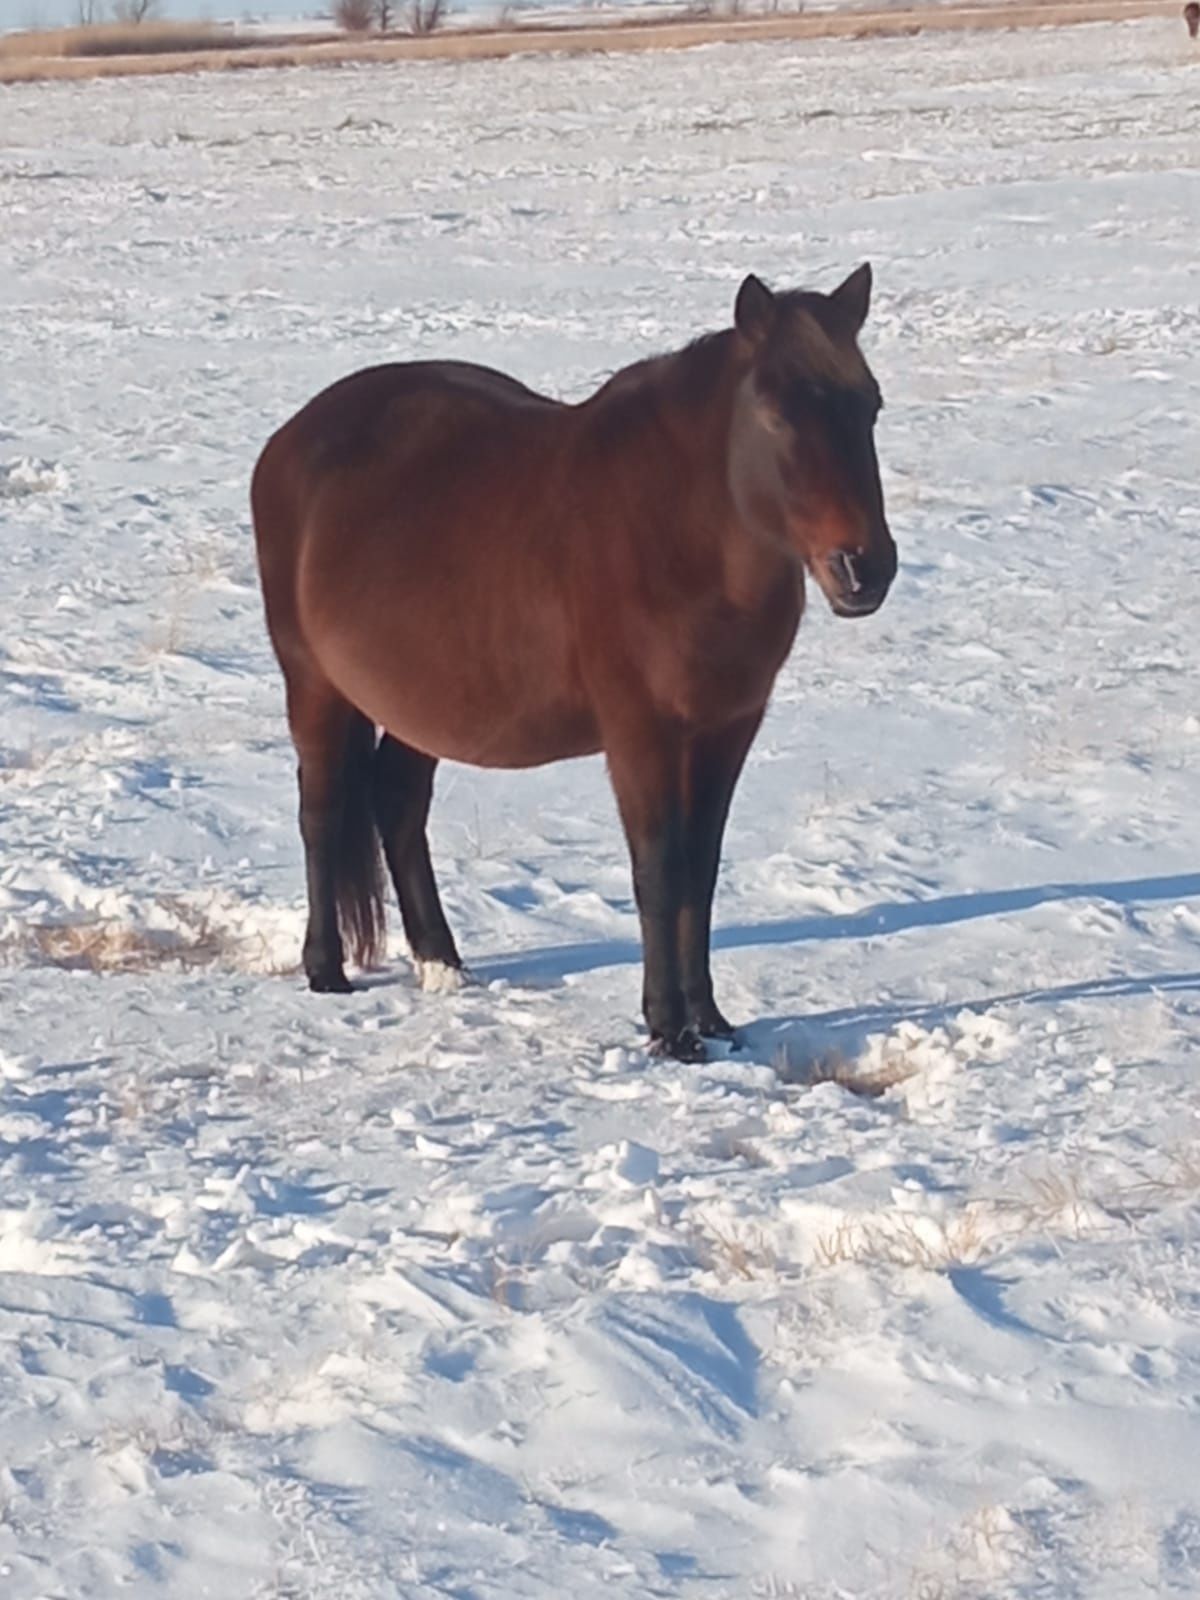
(1059, 1203)
(733, 1252)
(115, 39)
(20, 65)
(868, 1081)
(1172, 1176)
(108, 946)
(902, 1239)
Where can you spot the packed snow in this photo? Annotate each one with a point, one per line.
(406, 1294)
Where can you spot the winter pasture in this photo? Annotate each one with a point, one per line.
(409, 1295)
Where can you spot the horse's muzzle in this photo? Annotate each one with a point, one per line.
(857, 584)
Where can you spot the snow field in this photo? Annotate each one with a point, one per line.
(417, 1294)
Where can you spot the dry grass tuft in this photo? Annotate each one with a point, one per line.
(1053, 1194)
(1174, 1177)
(105, 945)
(746, 1255)
(1049, 1204)
(907, 1239)
(857, 1077)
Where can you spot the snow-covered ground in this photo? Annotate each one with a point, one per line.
(408, 1295)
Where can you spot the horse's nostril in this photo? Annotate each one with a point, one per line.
(849, 569)
(856, 581)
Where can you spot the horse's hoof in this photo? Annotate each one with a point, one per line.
(710, 1024)
(439, 977)
(686, 1045)
(334, 982)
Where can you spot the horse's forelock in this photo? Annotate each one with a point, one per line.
(805, 347)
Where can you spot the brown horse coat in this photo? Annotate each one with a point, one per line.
(493, 577)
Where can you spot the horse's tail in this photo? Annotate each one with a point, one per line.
(359, 882)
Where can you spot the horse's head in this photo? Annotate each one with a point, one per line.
(802, 464)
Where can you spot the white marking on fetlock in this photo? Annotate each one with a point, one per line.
(436, 977)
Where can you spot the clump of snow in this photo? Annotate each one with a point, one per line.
(27, 476)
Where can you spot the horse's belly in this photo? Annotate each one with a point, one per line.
(438, 645)
(468, 712)
(530, 738)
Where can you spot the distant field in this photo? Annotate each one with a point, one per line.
(116, 50)
(116, 39)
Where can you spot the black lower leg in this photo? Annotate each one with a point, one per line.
(703, 1013)
(712, 767)
(320, 822)
(646, 778)
(402, 787)
(658, 882)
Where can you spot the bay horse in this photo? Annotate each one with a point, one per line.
(457, 568)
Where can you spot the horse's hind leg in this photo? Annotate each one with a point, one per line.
(334, 744)
(402, 789)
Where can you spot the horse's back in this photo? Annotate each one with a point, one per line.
(396, 456)
(391, 414)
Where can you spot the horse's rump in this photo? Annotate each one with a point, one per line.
(418, 558)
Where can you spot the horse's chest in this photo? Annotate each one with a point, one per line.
(730, 660)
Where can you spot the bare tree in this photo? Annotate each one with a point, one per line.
(134, 11)
(87, 12)
(424, 16)
(355, 16)
(385, 15)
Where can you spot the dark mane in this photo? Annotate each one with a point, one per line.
(690, 375)
(808, 344)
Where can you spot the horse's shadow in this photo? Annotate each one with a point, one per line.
(843, 1034)
(549, 965)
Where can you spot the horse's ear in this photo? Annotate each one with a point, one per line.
(754, 310)
(853, 298)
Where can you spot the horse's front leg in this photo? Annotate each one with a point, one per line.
(646, 767)
(711, 768)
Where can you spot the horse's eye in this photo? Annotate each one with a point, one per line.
(806, 396)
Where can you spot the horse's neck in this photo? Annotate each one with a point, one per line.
(698, 382)
(693, 393)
